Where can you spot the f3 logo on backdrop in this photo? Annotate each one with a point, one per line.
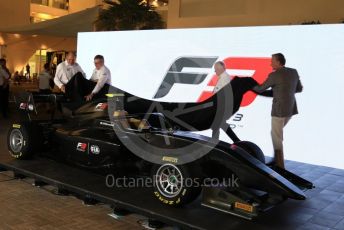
(198, 68)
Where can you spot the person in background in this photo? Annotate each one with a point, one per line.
(284, 82)
(4, 87)
(53, 69)
(16, 78)
(27, 75)
(66, 70)
(45, 79)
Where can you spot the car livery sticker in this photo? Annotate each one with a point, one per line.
(170, 159)
(17, 126)
(23, 106)
(245, 207)
(101, 107)
(94, 149)
(82, 147)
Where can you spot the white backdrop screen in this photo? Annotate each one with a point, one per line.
(139, 60)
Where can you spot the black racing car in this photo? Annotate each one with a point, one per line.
(121, 134)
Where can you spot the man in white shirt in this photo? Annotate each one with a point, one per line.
(224, 78)
(66, 70)
(101, 76)
(79, 89)
(4, 77)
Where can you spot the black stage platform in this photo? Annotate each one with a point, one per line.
(324, 208)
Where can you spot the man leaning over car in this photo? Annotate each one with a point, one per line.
(80, 89)
(284, 82)
(66, 70)
(100, 79)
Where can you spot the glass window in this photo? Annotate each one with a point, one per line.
(60, 4)
(41, 2)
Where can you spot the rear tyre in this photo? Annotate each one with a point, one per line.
(175, 185)
(252, 149)
(24, 139)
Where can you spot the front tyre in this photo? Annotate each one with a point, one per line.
(175, 185)
(23, 140)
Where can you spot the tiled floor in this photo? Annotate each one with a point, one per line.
(24, 206)
(324, 207)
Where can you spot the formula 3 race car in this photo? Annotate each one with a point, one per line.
(111, 135)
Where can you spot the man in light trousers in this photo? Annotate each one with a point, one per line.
(284, 82)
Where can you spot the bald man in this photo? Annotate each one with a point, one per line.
(66, 70)
(223, 76)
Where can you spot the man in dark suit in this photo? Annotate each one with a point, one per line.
(284, 82)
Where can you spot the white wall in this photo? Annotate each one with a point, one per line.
(12, 15)
(78, 5)
(209, 13)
